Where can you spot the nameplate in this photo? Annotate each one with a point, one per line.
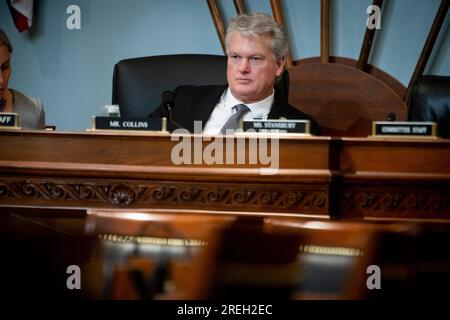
(404, 129)
(127, 124)
(281, 126)
(9, 120)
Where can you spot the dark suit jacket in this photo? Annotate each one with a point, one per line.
(196, 103)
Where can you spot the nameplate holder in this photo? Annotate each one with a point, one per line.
(128, 124)
(279, 126)
(404, 129)
(9, 120)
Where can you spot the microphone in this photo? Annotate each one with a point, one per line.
(391, 116)
(168, 101)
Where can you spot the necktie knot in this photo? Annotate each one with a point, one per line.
(234, 120)
(241, 108)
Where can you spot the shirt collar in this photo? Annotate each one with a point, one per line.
(260, 108)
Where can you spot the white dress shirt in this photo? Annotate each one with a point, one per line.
(224, 110)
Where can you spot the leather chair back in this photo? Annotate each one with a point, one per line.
(139, 82)
(430, 101)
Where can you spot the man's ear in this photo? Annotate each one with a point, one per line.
(281, 63)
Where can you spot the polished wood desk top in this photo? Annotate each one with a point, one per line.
(316, 176)
(150, 154)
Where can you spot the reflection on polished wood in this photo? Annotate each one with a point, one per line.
(202, 256)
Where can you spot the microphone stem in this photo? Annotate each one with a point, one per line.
(171, 120)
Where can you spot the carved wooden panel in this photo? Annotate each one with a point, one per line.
(425, 204)
(343, 177)
(394, 178)
(272, 198)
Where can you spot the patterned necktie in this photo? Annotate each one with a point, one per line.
(233, 121)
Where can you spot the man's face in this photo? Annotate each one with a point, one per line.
(252, 67)
(5, 69)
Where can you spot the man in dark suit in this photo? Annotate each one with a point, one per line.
(257, 50)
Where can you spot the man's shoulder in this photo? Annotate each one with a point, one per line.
(285, 110)
(190, 94)
(282, 109)
(294, 113)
